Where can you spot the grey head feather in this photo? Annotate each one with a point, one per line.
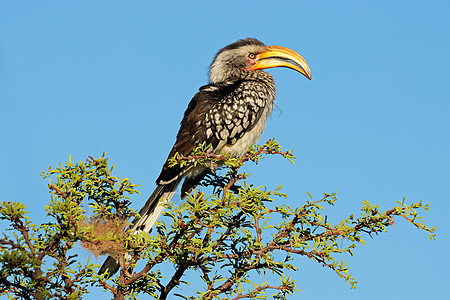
(230, 62)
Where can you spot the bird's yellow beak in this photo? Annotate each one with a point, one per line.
(277, 56)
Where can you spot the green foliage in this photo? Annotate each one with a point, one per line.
(230, 238)
(39, 262)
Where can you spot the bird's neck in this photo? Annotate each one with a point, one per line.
(242, 75)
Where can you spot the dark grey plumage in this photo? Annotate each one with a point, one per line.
(220, 114)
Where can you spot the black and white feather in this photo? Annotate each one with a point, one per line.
(230, 113)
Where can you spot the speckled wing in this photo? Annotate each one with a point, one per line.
(218, 115)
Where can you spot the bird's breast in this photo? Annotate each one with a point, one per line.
(242, 117)
(251, 136)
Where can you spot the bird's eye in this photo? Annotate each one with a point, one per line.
(252, 55)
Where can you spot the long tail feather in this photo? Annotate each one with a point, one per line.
(149, 215)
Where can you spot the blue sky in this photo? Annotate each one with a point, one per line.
(79, 77)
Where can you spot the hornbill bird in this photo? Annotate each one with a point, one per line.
(229, 113)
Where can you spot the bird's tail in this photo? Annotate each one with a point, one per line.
(149, 215)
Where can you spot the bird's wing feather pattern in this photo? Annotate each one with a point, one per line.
(218, 115)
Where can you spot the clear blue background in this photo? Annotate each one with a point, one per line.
(81, 76)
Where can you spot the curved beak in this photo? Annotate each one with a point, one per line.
(277, 56)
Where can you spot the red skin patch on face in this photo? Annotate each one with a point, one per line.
(251, 61)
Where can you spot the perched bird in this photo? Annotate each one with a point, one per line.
(229, 113)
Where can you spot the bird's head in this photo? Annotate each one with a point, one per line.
(239, 58)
